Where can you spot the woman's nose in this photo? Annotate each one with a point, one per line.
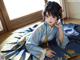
(51, 18)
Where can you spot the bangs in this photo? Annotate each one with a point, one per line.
(49, 12)
(49, 9)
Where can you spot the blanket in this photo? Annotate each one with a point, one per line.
(16, 49)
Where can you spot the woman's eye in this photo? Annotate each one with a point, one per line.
(52, 16)
(47, 16)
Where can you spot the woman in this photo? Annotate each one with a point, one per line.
(49, 35)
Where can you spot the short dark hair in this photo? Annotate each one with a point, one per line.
(54, 9)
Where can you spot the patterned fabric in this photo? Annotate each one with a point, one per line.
(15, 47)
(21, 43)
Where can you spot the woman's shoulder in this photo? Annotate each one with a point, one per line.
(40, 27)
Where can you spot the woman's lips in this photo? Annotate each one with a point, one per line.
(50, 22)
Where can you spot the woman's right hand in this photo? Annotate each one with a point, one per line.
(50, 53)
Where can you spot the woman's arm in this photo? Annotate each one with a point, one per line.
(60, 32)
(33, 42)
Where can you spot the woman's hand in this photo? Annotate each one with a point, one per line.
(50, 53)
(58, 24)
(61, 32)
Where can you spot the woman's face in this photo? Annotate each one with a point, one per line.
(50, 20)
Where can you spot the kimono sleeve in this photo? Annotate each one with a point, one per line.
(66, 40)
(33, 42)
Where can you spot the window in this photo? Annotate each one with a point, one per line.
(19, 8)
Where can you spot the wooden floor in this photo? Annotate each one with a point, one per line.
(4, 36)
(75, 21)
(7, 34)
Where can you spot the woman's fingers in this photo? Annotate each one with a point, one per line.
(53, 52)
(50, 53)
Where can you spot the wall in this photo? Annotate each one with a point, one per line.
(73, 8)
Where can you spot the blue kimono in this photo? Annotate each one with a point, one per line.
(38, 37)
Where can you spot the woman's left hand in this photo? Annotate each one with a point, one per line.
(60, 31)
(58, 24)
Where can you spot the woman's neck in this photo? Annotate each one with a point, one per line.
(51, 27)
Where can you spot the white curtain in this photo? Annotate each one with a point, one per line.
(1, 27)
(73, 8)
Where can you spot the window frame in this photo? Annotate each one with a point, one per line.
(19, 22)
(3, 23)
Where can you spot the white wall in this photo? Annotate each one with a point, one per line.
(73, 0)
(73, 8)
(1, 28)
